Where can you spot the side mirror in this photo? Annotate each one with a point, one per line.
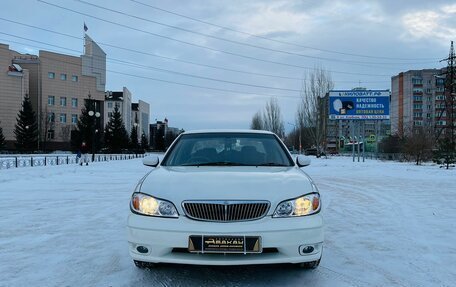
(151, 160)
(302, 160)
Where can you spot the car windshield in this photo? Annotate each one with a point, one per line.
(227, 149)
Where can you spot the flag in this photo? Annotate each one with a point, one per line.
(85, 27)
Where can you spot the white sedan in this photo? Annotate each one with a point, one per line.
(226, 198)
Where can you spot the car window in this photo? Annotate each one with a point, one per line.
(236, 149)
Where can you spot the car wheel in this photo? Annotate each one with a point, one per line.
(310, 265)
(143, 265)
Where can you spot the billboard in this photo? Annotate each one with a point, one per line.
(359, 105)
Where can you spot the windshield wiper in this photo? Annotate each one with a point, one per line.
(215, 163)
(271, 164)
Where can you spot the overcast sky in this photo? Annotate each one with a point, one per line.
(383, 38)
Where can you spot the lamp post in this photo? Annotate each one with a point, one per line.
(295, 127)
(94, 115)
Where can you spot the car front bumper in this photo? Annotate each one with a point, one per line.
(167, 239)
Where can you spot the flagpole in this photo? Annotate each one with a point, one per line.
(83, 39)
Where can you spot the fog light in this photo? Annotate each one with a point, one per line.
(142, 249)
(306, 249)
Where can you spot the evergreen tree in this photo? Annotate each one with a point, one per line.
(134, 144)
(446, 153)
(26, 128)
(116, 136)
(84, 128)
(2, 138)
(144, 142)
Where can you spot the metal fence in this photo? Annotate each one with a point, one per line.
(8, 162)
(380, 156)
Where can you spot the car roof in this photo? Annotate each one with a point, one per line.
(207, 131)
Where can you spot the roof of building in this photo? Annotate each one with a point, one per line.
(114, 96)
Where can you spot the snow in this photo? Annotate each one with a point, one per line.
(387, 224)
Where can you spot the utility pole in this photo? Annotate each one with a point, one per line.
(450, 109)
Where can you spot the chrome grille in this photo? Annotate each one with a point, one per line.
(225, 211)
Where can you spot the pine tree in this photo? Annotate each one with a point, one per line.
(26, 128)
(144, 142)
(445, 154)
(134, 144)
(84, 128)
(116, 136)
(2, 138)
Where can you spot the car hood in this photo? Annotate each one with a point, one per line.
(273, 184)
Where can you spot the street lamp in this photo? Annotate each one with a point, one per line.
(295, 127)
(94, 116)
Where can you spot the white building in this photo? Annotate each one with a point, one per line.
(140, 117)
(123, 101)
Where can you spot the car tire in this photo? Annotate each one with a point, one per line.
(143, 265)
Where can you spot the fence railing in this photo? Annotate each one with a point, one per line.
(8, 162)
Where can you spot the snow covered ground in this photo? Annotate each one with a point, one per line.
(387, 224)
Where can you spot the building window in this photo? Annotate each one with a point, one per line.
(110, 105)
(74, 78)
(51, 100)
(109, 114)
(50, 134)
(118, 105)
(63, 118)
(428, 115)
(418, 123)
(417, 106)
(74, 119)
(63, 77)
(74, 102)
(417, 98)
(63, 101)
(417, 90)
(418, 115)
(51, 117)
(417, 81)
(440, 97)
(51, 75)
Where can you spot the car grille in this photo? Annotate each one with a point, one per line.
(226, 211)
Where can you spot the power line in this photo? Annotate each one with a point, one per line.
(275, 40)
(133, 64)
(193, 44)
(191, 62)
(167, 81)
(237, 42)
(137, 65)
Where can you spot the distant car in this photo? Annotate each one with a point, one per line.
(226, 198)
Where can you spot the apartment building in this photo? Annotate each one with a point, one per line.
(417, 100)
(121, 100)
(59, 85)
(14, 83)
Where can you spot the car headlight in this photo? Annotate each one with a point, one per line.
(304, 205)
(148, 205)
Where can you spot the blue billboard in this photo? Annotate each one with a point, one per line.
(359, 105)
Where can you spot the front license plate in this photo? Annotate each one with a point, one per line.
(224, 244)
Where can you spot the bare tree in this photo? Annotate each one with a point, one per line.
(65, 132)
(418, 144)
(315, 85)
(272, 118)
(257, 121)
